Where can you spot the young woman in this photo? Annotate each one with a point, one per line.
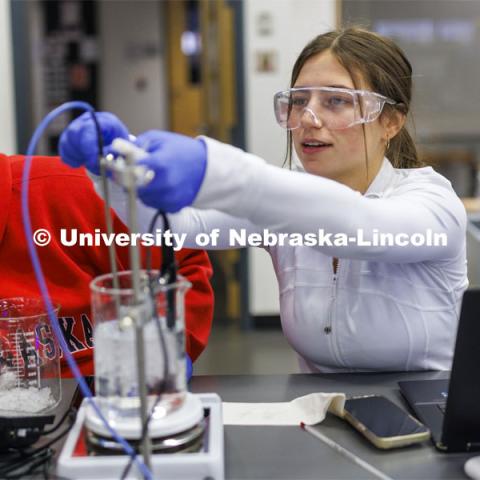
(61, 198)
(351, 304)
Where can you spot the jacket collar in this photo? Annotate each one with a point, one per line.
(380, 184)
(382, 181)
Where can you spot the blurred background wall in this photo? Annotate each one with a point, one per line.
(274, 33)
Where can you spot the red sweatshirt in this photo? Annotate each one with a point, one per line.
(61, 197)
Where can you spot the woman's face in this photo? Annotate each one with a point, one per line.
(344, 158)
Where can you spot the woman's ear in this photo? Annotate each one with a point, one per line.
(392, 123)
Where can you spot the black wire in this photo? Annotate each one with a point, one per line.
(169, 265)
(20, 461)
(33, 465)
(168, 269)
(23, 455)
(168, 273)
(34, 458)
(27, 453)
(24, 469)
(99, 133)
(149, 251)
(60, 422)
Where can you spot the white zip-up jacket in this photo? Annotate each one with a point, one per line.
(387, 307)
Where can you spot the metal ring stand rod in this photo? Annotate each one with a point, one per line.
(139, 338)
(129, 183)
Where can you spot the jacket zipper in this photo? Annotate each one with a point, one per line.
(328, 328)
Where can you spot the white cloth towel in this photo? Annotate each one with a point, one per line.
(309, 409)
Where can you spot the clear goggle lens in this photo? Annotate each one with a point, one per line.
(333, 108)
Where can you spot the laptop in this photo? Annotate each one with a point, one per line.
(451, 408)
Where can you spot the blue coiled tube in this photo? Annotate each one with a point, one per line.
(42, 283)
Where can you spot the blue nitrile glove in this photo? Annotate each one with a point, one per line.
(78, 145)
(179, 164)
(189, 367)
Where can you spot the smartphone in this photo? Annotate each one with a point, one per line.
(383, 423)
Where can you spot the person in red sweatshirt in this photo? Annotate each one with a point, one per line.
(62, 197)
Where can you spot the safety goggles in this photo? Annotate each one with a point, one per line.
(331, 107)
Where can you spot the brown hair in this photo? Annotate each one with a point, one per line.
(384, 67)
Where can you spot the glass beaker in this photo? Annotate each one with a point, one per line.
(29, 358)
(160, 311)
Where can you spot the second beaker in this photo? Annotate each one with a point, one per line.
(29, 358)
(159, 309)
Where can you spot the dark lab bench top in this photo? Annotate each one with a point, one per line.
(287, 452)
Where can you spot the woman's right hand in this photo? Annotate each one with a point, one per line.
(179, 164)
